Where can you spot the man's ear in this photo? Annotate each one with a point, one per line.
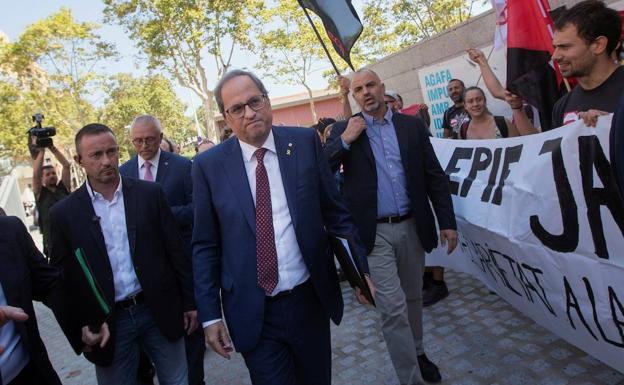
(599, 45)
(78, 159)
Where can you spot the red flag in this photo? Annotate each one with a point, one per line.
(530, 72)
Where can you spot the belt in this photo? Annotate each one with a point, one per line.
(395, 219)
(286, 293)
(133, 300)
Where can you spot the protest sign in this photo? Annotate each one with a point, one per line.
(541, 222)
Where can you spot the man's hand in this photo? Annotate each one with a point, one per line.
(450, 237)
(218, 338)
(10, 313)
(514, 101)
(354, 128)
(360, 296)
(190, 321)
(590, 117)
(344, 83)
(477, 56)
(90, 339)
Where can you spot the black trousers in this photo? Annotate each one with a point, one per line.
(27, 376)
(195, 350)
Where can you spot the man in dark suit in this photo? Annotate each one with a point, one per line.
(128, 236)
(264, 202)
(173, 173)
(391, 173)
(24, 275)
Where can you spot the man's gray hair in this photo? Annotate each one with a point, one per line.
(145, 119)
(231, 75)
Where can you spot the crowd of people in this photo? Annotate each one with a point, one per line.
(150, 261)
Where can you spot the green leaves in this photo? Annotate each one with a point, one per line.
(129, 97)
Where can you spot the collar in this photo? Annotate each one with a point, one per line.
(94, 195)
(370, 120)
(248, 150)
(153, 161)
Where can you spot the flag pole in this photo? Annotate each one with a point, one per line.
(318, 35)
(488, 60)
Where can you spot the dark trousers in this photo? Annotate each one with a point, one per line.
(26, 377)
(195, 350)
(295, 346)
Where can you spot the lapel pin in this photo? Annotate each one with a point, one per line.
(288, 151)
(166, 163)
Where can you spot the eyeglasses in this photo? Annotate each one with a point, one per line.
(256, 103)
(147, 141)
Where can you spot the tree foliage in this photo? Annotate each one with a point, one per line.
(289, 51)
(129, 97)
(59, 57)
(179, 36)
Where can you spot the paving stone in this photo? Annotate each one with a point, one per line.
(488, 344)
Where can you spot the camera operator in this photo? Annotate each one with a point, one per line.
(48, 189)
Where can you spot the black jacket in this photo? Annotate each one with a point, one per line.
(156, 248)
(426, 180)
(25, 275)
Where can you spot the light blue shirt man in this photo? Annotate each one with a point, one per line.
(392, 196)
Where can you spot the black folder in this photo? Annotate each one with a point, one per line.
(92, 299)
(346, 255)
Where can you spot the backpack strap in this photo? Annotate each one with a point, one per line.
(501, 124)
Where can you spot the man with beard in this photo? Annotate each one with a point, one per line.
(392, 180)
(585, 38)
(48, 189)
(455, 115)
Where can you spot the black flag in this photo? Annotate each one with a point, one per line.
(341, 22)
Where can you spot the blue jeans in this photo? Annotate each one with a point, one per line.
(135, 326)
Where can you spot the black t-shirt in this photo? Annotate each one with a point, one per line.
(46, 200)
(605, 97)
(453, 118)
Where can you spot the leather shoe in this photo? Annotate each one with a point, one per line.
(428, 370)
(436, 292)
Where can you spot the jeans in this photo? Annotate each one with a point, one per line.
(135, 327)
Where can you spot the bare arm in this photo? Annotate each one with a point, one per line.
(66, 173)
(37, 164)
(491, 81)
(521, 121)
(345, 83)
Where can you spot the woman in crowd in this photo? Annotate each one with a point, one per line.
(482, 124)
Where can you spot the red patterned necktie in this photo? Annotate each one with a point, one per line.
(265, 235)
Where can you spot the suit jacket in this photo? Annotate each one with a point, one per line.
(426, 181)
(162, 267)
(174, 176)
(25, 275)
(224, 239)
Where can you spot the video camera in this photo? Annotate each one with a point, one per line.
(43, 135)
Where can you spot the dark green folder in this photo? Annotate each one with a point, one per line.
(93, 285)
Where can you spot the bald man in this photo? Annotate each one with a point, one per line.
(173, 173)
(390, 175)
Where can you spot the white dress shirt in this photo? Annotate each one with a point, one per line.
(292, 270)
(112, 218)
(15, 356)
(154, 166)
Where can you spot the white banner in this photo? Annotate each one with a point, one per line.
(540, 222)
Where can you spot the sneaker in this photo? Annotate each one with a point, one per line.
(437, 291)
(428, 370)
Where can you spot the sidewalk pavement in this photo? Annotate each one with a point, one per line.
(474, 336)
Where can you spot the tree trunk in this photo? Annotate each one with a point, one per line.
(212, 132)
